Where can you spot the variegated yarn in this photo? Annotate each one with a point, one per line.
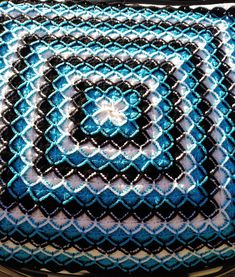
(117, 137)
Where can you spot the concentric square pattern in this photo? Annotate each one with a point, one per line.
(116, 136)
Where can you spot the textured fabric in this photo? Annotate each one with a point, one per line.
(117, 137)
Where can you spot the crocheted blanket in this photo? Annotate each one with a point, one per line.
(117, 136)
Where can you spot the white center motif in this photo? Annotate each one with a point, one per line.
(111, 110)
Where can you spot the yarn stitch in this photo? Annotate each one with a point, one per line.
(117, 137)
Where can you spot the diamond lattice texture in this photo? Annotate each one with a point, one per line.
(117, 137)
